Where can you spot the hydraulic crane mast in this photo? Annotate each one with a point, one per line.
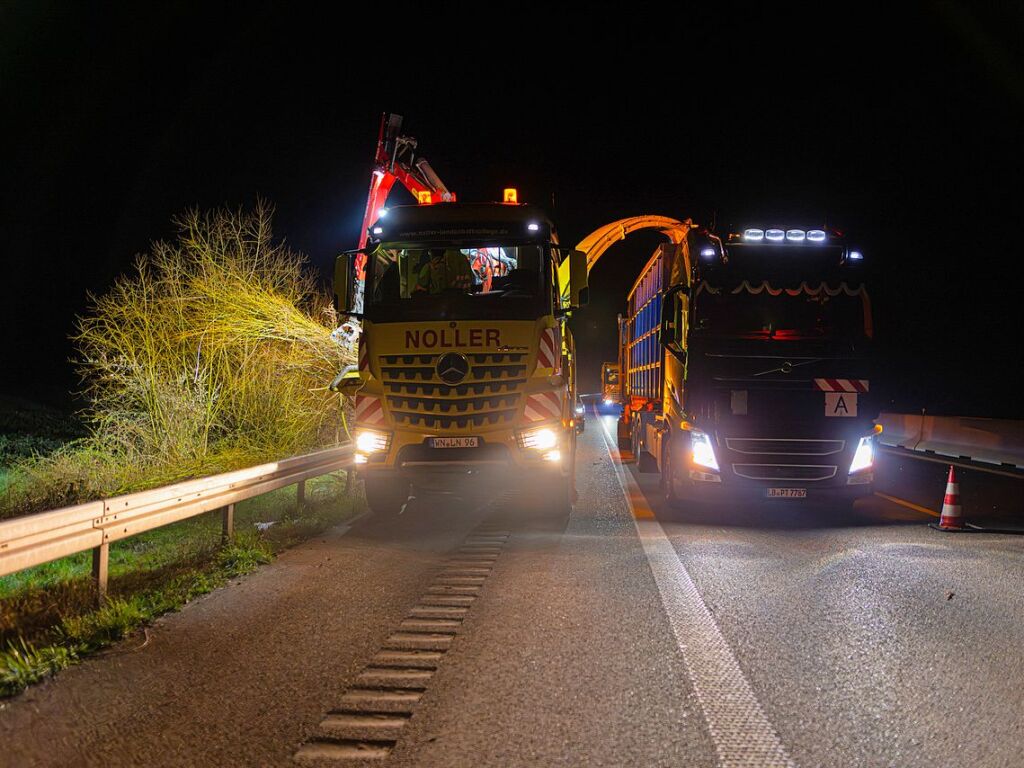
(396, 160)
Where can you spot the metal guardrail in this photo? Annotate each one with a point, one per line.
(996, 442)
(46, 536)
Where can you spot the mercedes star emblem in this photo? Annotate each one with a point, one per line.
(452, 368)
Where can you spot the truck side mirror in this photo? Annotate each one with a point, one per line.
(579, 290)
(343, 283)
(348, 382)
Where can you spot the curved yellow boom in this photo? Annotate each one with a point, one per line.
(603, 238)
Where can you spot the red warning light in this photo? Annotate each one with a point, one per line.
(511, 196)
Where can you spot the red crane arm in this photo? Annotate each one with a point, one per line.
(394, 161)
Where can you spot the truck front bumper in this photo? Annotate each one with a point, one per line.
(492, 466)
(467, 475)
(725, 492)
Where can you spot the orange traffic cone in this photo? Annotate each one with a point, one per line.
(951, 518)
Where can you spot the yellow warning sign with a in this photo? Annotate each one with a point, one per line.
(840, 404)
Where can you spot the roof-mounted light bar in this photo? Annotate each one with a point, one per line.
(776, 235)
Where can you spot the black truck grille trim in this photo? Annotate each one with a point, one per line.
(466, 405)
(497, 371)
(784, 446)
(434, 421)
(803, 472)
(461, 390)
(473, 357)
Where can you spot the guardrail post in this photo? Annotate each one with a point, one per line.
(100, 566)
(227, 531)
(301, 493)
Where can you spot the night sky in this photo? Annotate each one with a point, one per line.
(902, 130)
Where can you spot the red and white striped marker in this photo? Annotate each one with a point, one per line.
(549, 354)
(951, 518)
(369, 410)
(543, 406)
(842, 385)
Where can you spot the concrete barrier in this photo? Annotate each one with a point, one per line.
(990, 441)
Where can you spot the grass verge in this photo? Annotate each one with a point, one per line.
(48, 617)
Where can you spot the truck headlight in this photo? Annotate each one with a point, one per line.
(372, 441)
(540, 438)
(703, 451)
(864, 456)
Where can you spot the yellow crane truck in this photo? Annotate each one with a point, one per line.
(465, 380)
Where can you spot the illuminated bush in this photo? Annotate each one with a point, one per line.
(215, 354)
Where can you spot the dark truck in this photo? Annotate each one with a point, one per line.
(746, 368)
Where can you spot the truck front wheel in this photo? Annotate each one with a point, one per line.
(386, 495)
(561, 492)
(668, 476)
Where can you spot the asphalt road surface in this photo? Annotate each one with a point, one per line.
(486, 634)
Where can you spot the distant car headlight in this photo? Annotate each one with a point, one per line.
(864, 456)
(609, 401)
(703, 451)
(541, 438)
(372, 441)
(579, 409)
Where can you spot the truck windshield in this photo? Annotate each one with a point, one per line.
(456, 282)
(776, 314)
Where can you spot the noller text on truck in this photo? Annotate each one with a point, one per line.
(466, 372)
(746, 367)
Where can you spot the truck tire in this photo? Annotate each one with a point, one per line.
(645, 462)
(556, 496)
(622, 434)
(668, 477)
(386, 495)
(560, 502)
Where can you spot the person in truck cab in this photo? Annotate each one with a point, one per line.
(444, 270)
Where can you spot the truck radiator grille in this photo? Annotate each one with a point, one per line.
(460, 390)
(489, 395)
(462, 405)
(805, 472)
(431, 421)
(790, 447)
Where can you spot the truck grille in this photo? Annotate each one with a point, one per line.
(790, 447)
(489, 395)
(805, 472)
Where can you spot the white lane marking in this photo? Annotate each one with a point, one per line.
(739, 728)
